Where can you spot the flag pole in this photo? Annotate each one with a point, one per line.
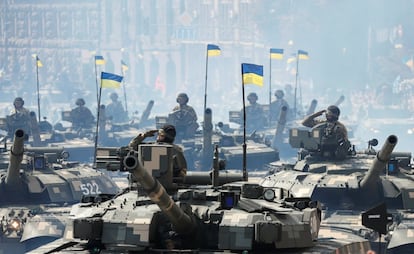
(123, 87)
(96, 81)
(38, 92)
(97, 122)
(270, 84)
(296, 84)
(205, 82)
(244, 132)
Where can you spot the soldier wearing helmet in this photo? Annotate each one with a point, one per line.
(331, 126)
(81, 116)
(276, 106)
(255, 117)
(19, 118)
(183, 117)
(115, 111)
(167, 135)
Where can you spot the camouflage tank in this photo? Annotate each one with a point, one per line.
(347, 185)
(37, 187)
(202, 212)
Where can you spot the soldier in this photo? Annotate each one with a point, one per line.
(255, 117)
(276, 106)
(81, 116)
(184, 117)
(115, 110)
(19, 118)
(332, 128)
(165, 135)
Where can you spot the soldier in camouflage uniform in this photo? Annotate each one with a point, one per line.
(19, 118)
(184, 117)
(81, 116)
(255, 116)
(115, 110)
(165, 135)
(276, 106)
(331, 129)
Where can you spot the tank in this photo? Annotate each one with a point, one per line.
(351, 185)
(37, 188)
(202, 212)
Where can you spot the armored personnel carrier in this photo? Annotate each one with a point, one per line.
(37, 187)
(348, 183)
(202, 212)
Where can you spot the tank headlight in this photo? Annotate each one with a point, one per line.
(15, 224)
(269, 195)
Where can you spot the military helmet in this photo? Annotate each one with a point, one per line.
(19, 99)
(169, 133)
(113, 96)
(279, 94)
(252, 96)
(333, 111)
(184, 96)
(80, 102)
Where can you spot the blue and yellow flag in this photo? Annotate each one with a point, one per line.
(276, 53)
(124, 66)
(109, 80)
(213, 50)
(99, 60)
(38, 62)
(252, 74)
(303, 55)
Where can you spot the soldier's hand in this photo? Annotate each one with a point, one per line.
(150, 133)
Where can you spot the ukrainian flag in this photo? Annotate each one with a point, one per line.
(109, 80)
(213, 50)
(276, 53)
(99, 60)
(38, 62)
(303, 55)
(124, 66)
(252, 74)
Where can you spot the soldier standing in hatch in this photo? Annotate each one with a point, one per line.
(165, 135)
(255, 116)
(115, 111)
(184, 117)
(276, 106)
(333, 125)
(81, 116)
(19, 118)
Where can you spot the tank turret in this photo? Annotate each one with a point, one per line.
(348, 187)
(16, 157)
(37, 185)
(183, 223)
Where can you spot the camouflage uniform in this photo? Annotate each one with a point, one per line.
(82, 117)
(255, 116)
(184, 118)
(115, 111)
(331, 127)
(18, 119)
(334, 139)
(276, 107)
(179, 161)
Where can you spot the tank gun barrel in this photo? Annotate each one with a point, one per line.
(147, 111)
(312, 107)
(281, 123)
(16, 157)
(383, 156)
(207, 137)
(183, 222)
